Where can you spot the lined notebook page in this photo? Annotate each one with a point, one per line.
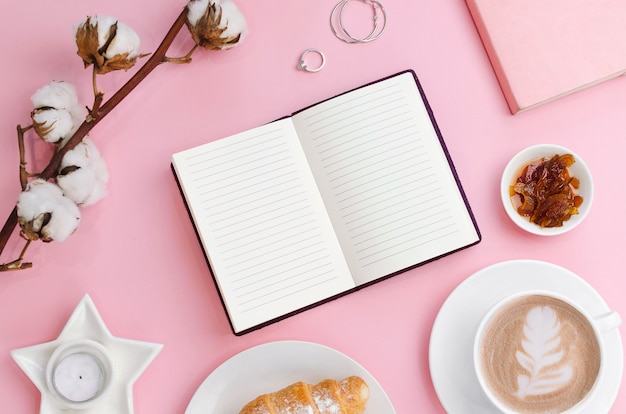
(385, 179)
(262, 223)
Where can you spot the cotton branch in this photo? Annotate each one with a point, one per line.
(158, 57)
(213, 25)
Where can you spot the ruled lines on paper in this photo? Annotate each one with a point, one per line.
(377, 159)
(257, 211)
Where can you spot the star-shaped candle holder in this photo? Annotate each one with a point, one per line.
(86, 367)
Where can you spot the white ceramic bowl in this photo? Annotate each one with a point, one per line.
(579, 170)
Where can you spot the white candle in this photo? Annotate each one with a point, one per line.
(78, 377)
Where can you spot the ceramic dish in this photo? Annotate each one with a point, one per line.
(270, 367)
(452, 338)
(579, 170)
(129, 358)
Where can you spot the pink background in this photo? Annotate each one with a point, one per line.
(136, 253)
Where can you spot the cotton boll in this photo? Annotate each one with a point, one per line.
(56, 95)
(83, 174)
(106, 43)
(196, 9)
(79, 185)
(39, 196)
(64, 220)
(81, 155)
(126, 41)
(44, 213)
(215, 24)
(234, 22)
(57, 112)
(103, 23)
(53, 125)
(86, 185)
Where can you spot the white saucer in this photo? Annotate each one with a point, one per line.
(452, 336)
(272, 366)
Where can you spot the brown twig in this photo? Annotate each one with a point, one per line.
(183, 59)
(158, 57)
(20, 143)
(98, 96)
(19, 263)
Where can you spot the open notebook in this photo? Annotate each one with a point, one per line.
(335, 197)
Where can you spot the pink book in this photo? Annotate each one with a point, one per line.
(545, 49)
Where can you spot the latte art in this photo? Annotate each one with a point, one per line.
(539, 355)
(542, 354)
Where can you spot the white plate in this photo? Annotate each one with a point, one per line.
(452, 337)
(270, 367)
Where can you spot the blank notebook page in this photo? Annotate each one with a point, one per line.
(262, 223)
(385, 178)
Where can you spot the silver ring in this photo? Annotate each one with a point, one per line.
(303, 66)
(345, 36)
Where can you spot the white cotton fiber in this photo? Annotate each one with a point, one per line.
(57, 113)
(86, 183)
(41, 198)
(196, 9)
(126, 41)
(55, 124)
(233, 20)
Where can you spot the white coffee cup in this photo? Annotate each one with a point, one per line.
(528, 347)
(79, 373)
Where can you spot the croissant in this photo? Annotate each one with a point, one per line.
(348, 396)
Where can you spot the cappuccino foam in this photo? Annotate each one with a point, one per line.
(539, 355)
